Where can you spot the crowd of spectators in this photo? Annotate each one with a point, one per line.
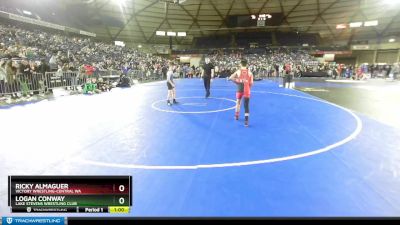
(276, 62)
(69, 52)
(267, 63)
(263, 62)
(365, 71)
(26, 51)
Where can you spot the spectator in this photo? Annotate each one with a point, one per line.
(3, 78)
(124, 81)
(43, 67)
(164, 71)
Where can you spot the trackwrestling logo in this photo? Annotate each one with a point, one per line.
(33, 220)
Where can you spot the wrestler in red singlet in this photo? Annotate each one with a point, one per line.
(243, 84)
(244, 80)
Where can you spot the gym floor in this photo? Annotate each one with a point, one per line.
(330, 149)
(376, 98)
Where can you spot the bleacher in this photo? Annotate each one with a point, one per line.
(296, 39)
(262, 39)
(213, 42)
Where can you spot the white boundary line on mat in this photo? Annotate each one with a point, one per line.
(153, 105)
(352, 136)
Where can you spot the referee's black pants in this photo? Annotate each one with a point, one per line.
(207, 85)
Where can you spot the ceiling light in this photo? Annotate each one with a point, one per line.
(356, 24)
(160, 33)
(119, 43)
(119, 2)
(391, 2)
(265, 16)
(181, 34)
(341, 26)
(170, 33)
(392, 40)
(371, 23)
(26, 12)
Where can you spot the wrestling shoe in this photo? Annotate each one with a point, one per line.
(175, 102)
(169, 103)
(246, 123)
(236, 115)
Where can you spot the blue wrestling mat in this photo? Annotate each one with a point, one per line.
(300, 156)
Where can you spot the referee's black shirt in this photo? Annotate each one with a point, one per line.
(207, 69)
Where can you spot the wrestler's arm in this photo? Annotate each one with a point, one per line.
(233, 77)
(251, 79)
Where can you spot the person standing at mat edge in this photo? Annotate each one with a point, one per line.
(171, 85)
(244, 80)
(207, 75)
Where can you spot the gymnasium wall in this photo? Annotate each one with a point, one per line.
(364, 56)
(195, 61)
(386, 56)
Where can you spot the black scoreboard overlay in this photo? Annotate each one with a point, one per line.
(70, 194)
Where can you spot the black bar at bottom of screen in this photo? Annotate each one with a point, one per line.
(59, 209)
(233, 220)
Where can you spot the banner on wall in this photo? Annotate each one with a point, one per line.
(36, 22)
(360, 47)
(329, 57)
(162, 49)
(333, 52)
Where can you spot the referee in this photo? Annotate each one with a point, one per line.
(207, 74)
